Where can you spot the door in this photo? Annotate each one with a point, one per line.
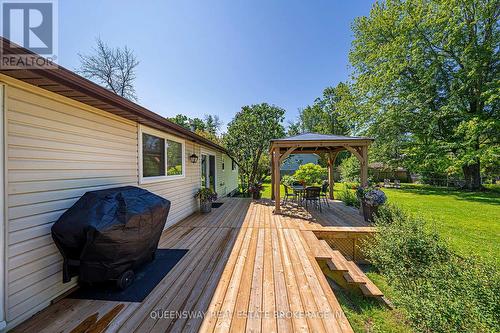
(208, 174)
(211, 172)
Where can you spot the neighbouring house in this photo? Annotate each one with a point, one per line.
(63, 136)
(294, 161)
(380, 171)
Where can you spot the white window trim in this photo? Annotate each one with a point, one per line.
(165, 136)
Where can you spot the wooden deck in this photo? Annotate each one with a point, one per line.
(246, 270)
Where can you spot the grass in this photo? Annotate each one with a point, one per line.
(468, 221)
(368, 315)
(266, 193)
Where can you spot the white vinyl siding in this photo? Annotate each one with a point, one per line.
(228, 178)
(58, 149)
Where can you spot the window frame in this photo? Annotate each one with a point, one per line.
(164, 136)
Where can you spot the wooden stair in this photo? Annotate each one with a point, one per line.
(336, 262)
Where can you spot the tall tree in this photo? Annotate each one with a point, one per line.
(248, 136)
(212, 124)
(429, 72)
(113, 68)
(333, 113)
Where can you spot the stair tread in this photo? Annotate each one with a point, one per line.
(336, 261)
(370, 289)
(354, 274)
(317, 248)
(351, 272)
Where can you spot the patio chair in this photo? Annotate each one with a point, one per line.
(387, 183)
(397, 183)
(312, 195)
(323, 194)
(289, 194)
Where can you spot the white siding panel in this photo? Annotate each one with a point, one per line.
(56, 151)
(228, 177)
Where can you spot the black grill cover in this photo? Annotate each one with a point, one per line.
(110, 231)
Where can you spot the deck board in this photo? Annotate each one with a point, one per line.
(246, 270)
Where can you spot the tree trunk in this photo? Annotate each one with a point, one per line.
(472, 176)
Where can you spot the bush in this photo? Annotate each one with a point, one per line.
(310, 174)
(348, 196)
(287, 180)
(350, 169)
(437, 290)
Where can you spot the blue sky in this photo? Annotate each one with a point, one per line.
(212, 57)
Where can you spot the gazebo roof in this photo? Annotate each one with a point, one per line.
(312, 137)
(319, 143)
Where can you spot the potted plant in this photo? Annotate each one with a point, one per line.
(371, 198)
(256, 190)
(206, 196)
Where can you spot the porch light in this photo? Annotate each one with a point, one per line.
(193, 158)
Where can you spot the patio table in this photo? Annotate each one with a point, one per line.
(300, 190)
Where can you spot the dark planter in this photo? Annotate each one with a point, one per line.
(369, 211)
(206, 206)
(257, 195)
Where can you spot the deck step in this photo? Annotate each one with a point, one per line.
(369, 289)
(350, 271)
(319, 251)
(354, 274)
(335, 260)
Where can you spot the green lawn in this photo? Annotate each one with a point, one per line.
(469, 221)
(368, 315)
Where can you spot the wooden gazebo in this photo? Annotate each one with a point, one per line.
(313, 143)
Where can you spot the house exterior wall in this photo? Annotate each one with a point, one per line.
(228, 178)
(56, 150)
(294, 161)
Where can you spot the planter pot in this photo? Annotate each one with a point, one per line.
(369, 212)
(206, 206)
(256, 195)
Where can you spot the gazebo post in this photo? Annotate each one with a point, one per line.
(331, 169)
(277, 180)
(364, 166)
(272, 173)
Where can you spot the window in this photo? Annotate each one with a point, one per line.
(162, 156)
(153, 156)
(233, 165)
(223, 166)
(174, 158)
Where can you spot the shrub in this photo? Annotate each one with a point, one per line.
(348, 196)
(437, 290)
(288, 180)
(310, 174)
(206, 194)
(349, 169)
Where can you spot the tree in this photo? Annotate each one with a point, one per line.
(333, 113)
(181, 120)
(212, 124)
(248, 136)
(113, 68)
(310, 174)
(427, 72)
